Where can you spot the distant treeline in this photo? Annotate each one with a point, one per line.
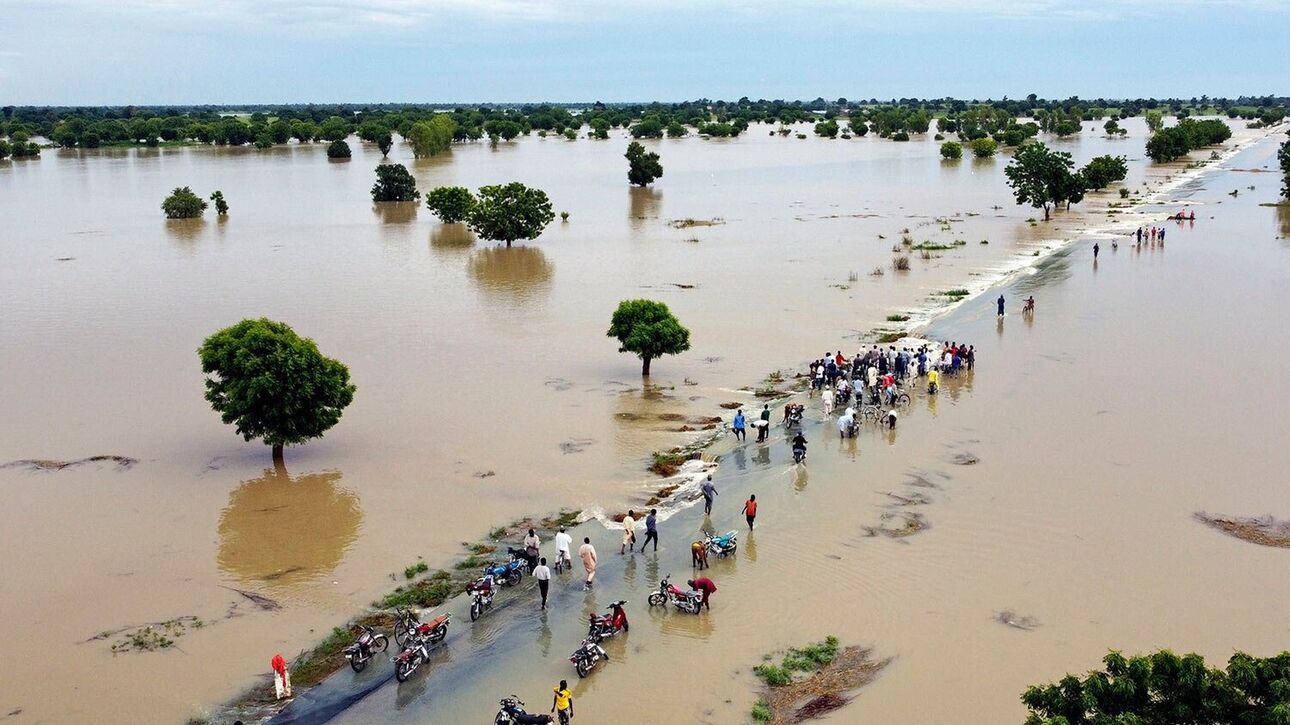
(269, 125)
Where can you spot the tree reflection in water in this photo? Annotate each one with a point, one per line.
(284, 530)
(517, 274)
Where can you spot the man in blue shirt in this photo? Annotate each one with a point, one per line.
(651, 530)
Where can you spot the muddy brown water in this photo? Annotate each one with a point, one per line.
(469, 358)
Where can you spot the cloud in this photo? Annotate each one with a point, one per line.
(411, 13)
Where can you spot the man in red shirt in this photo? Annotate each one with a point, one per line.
(704, 585)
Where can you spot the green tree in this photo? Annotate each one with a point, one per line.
(221, 206)
(648, 127)
(1040, 177)
(432, 137)
(183, 204)
(1283, 156)
(1155, 119)
(648, 329)
(643, 166)
(570, 134)
(676, 129)
(858, 127)
(984, 147)
(338, 150)
(599, 129)
(394, 183)
(273, 384)
(5, 149)
(510, 212)
(827, 129)
(334, 129)
(951, 150)
(451, 204)
(1165, 689)
(384, 142)
(1102, 171)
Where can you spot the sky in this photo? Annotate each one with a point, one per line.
(148, 52)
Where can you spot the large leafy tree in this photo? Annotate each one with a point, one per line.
(273, 384)
(394, 183)
(648, 329)
(1284, 157)
(433, 136)
(1041, 177)
(1101, 171)
(510, 212)
(1165, 689)
(643, 166)
(451, 204)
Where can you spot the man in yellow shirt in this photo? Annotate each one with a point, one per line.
(933, 380)
(562, 704)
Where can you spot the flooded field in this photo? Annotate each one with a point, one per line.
(1098, 425)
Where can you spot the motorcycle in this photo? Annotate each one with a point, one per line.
(416, 650)
(587, 656)
(799, 454)
(681, 599)
(481, 592)
(602, 627)
(409, 624)
(794, 417)
(842, 397)
(723, 545)
(368, 644)
(512, 713)
(510, 572)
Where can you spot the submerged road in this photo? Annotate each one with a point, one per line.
(516, 648)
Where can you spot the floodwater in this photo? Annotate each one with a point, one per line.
(1099, 425)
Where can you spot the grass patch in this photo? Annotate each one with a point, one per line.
(890, 336)
(901, 263)
(418, 568)
(812, 681)
(761, 710)
(667, 464)
(322, 660)
(426, 593)
(897, 318)
(773, 675)
(957, 293)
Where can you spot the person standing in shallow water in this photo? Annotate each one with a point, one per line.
(750, 510)
(740, 425)
(542, 573)
(1096, 249)
(651, 530)
(1000, 303)
(588, 554)
(763, 430)
(709, 492)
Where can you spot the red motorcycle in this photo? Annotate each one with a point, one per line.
(408, 623)
(668, 592)
(604, 626)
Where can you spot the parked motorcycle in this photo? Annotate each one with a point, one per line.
(587, 656)
(416, 650)
(723, 545)
(512, 713)
(680, 598)
(508, 573)
(604, 626)
(481, 593)
(408, 623)
(369, 642)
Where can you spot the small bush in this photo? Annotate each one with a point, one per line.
(897, 318)
(984, 148)
(1124, 193)
(415, 569)
(951, 150)
(183, 204)
(901, 263)
(773, 675)
(564, 216)
(338, 150)
(900, 136)
(761, 710)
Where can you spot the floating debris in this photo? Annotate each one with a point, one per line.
(41, 464)
(898, 525)
(1017, 621)
(576, 445)
(964, 459)
(1262, 530)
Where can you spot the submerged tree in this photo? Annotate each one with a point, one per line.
(510, 212)
(648, 329)
(384, 142)
(1284, 157)
(951, 150)
(394, 183)
(984, 147)
(643, 166)
(1165, 689)
(1041, 177)
(428, 138)
(273, 384)
(183, 204)
(1102, 171)
(338, 150)
(451, 204)
(221, 206)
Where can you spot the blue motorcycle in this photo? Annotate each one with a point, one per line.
(510, 572)
(723, 545)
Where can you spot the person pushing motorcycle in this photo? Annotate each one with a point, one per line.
(705, 586)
